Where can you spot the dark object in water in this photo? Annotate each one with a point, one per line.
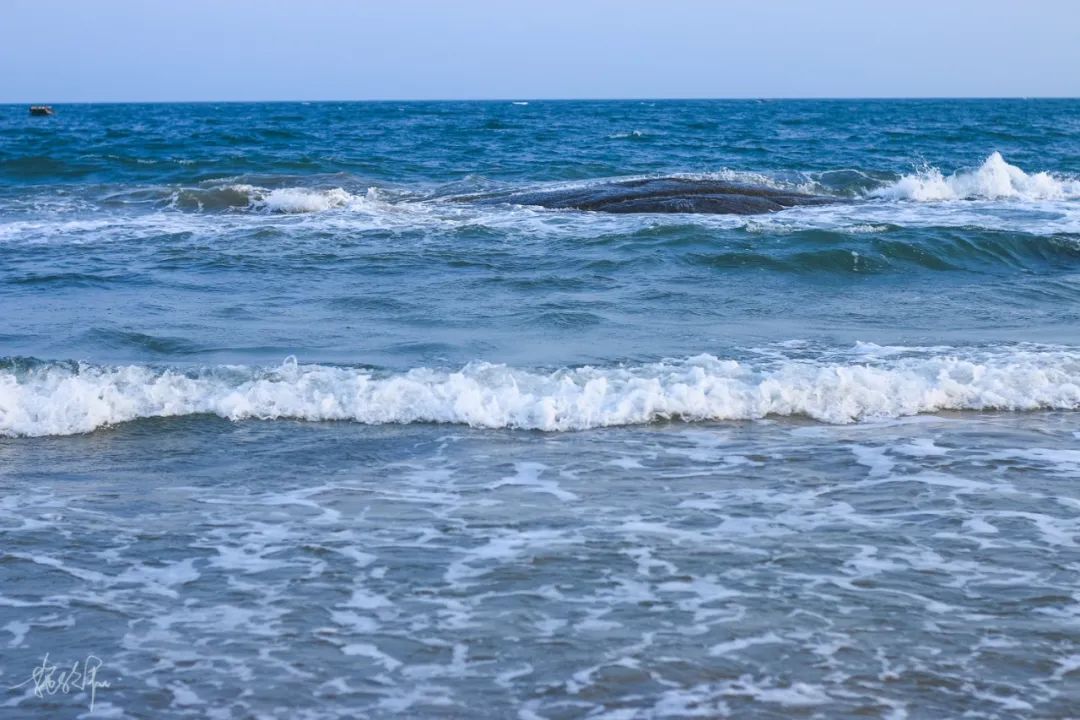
(666, 195)
(41, 110)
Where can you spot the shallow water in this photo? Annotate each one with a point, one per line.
(289, 430)
(771, 569)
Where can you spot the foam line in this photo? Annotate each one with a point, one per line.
(65, 398)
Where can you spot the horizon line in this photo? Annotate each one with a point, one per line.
(747, 98)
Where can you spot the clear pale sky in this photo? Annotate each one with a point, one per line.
(152, 50)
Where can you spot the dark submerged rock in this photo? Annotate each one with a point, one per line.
(665, 195)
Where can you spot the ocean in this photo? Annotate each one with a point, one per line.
(302, 416)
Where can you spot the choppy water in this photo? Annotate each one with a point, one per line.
(288, 429)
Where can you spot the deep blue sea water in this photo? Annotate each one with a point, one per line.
(302, 417)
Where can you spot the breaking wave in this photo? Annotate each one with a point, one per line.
(299, 200)
(40, 398)
(242, 196)
(995, 179)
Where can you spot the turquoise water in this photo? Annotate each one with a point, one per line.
(301, 416)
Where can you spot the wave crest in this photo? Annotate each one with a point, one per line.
(64, 398)
(286, 200)
(300, 200)
(995, 179)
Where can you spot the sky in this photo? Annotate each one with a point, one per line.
(151, 50)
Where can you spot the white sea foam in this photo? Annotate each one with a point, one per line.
(995, 179)
(62, 399)
(625, 135)
(294, 199)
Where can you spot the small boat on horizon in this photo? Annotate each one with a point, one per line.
(40, 110)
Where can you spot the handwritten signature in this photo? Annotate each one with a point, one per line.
(49, 679)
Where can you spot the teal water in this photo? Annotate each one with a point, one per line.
(300, 416)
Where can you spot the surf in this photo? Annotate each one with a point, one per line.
(866, 383)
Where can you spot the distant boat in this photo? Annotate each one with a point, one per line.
(41, 110)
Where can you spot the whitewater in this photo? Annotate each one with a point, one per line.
(64, 399)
